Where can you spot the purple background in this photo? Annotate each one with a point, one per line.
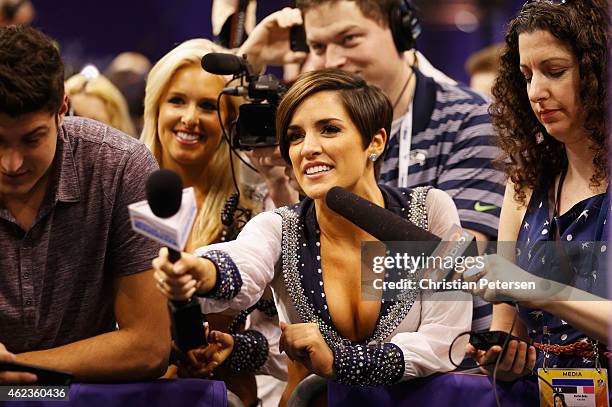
(95, 31)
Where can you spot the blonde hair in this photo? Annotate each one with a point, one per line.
(207, 227)
(111, 97)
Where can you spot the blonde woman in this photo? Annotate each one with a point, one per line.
(97, 98)
(182, 129)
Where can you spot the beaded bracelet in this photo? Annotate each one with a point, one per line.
(228, 282)
(250, 351)
(369, 365)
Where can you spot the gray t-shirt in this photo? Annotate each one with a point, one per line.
(56, 280)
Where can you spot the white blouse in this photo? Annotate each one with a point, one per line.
(424, 335)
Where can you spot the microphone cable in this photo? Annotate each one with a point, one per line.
(498, 360)
(231, 212)
(228, 139)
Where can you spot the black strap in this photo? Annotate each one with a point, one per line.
(566, 276)
(268, 307)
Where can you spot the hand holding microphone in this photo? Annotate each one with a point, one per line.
(174, 273)
(167, 217)
(180, 280)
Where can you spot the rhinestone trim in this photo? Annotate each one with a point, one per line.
(250, 351)
(229, 281)
(369, 365)
(417, 213)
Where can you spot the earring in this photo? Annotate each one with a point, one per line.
(372, 157)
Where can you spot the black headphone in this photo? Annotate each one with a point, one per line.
(9, 10)
(404, 25)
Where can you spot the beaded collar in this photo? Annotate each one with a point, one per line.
(301, 264)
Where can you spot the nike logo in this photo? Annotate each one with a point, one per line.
(483, 208)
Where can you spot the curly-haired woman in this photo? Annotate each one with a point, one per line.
(551, 104)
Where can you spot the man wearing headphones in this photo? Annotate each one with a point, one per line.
(441, 133)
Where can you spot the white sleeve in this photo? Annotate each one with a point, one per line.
(444, 316)
(420, 347)
(441, 212)
(254, 254)
(276, 363)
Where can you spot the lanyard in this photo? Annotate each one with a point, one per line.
(553, 206)
(553, 211)
(405, 142)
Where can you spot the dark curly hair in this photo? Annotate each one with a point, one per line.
(31, 72)
(531, 155)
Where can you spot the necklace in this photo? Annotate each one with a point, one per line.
(403, 89)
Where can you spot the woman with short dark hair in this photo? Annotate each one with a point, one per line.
(332, 127)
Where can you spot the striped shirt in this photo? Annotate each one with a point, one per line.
(453, 145)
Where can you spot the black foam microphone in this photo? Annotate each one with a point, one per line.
(164, 195)
(220, 63)
(377, 221)
(386, 226)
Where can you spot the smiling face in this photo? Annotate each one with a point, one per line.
(552, 75)
(340, 36)
(326, 148)
(27, 149)
(188, 127)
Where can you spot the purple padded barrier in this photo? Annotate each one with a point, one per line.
(450, 389)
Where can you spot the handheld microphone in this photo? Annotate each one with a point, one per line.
(381, 223)
(220, 63)
(386, 226)
(164, 195)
